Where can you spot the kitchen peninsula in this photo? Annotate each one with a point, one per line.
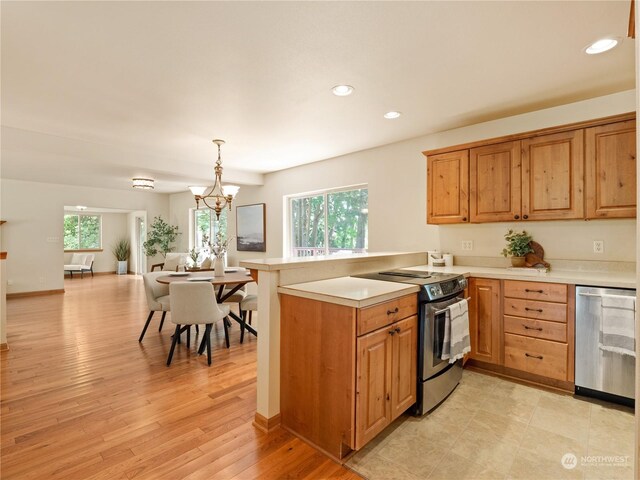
(323, 287)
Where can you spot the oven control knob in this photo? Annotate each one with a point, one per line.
(434, 290)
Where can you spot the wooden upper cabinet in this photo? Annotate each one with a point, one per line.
(494, 182)
(553, 177)
(448, 187)
(610, 162)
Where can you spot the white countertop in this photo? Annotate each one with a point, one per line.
(361, 292)
(596, 279)
(350, 291)
(298, 262)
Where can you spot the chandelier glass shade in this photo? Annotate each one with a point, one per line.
(218, 196)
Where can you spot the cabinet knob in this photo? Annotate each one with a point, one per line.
(397, 329)
(516, 217)
(525, 216)
(392, 332)
(464, 219)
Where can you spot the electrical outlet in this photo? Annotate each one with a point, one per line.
(10, 283)
(598, 246)
(467, 244)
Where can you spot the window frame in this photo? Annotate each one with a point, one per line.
(194, 226)
(76, 250)
(287, 246)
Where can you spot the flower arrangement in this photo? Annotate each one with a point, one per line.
(221, 246)
(194, 254)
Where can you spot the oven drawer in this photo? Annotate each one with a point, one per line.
(541, 357)
(548, 292)
(536, 328)
(555, 312)
(377, 316)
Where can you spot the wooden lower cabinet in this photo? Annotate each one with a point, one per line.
(339, 389)
(523, 329)
(485, 322)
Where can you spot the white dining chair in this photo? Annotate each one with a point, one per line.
(249, 304)
(194, 303)
(157, 298)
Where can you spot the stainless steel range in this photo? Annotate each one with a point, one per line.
(436, 378)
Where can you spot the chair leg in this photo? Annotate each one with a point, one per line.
(243, 317)
(146, 325)
(176, 336)
(164, 314)
(81, 273)
(203, 342)
(250, 314)
(197, 329)
(226, 331)
(208, 336)
(189, 336)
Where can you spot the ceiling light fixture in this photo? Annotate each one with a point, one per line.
(392, 115)
(342, 90)
(223, 195)
(602, 45)
(143, 183)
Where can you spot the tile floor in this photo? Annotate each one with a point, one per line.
(491, 428)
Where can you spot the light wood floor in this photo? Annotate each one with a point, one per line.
(82, 399)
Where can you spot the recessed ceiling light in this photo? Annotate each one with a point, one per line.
(601, 45)
(342, 90)
(392, 115)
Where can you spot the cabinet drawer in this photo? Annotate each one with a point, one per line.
(548, 292)
(555, 312)
(377, 316)
(536, 328)
(541, 357)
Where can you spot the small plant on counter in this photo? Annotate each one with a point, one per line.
(517, 244)
(194, 254)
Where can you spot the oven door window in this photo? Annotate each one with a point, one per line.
(434, 336)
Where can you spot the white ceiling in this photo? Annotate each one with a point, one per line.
(95, 93)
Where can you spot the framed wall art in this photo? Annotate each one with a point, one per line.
(251, 228)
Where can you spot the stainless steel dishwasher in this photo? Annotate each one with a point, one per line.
(600, 373)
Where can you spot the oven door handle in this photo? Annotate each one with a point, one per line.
(438, 312)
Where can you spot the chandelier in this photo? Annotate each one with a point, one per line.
(219, 196)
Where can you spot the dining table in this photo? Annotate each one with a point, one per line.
(228, 284)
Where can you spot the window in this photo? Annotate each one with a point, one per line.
(329, 222)
(206, 227)
(82, 232)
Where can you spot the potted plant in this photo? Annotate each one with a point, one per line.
(121, 251)
(160, 237)
(517, 246)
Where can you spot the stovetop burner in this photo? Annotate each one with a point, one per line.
(435, 285)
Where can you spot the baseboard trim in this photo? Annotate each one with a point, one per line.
(88, 274)
(37, 293)
(4, 347)
(520, 377)
(266, 424)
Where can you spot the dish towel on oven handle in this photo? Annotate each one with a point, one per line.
(617, 326)
(456, 331)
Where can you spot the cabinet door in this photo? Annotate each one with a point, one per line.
(448, 187)
(404, 365)
(373, 382)
(552, 176)
(494, 183)
(485, 320)
(610, 154)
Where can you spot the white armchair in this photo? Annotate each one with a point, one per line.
(172, 262)
(80, 263)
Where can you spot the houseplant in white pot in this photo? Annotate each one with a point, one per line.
(517, 246)
(121, 251)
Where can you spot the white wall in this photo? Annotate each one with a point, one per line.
(33, 233)
(114, 227)
(396, 175)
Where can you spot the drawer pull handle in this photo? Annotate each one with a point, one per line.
(539, 357)
(392, 332)
(533, 291)
(533, 309)
(391, 312)
(532, 328)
